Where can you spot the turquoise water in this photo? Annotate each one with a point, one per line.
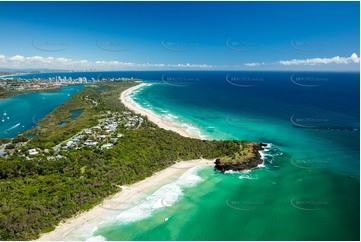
(25, 111)
(261, 205)
(309, 186)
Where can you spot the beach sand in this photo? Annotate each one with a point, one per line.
(161, 122)
(131, 192)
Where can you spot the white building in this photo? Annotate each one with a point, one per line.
(106, 146)
(90, 143)
(33, 152)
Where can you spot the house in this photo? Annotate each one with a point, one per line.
(88, 131)
(106, 146)
(69, 143)
(33, 152)
(102, 136)
(128, 125)
(90, 143)
(114, 140)
(75, 139)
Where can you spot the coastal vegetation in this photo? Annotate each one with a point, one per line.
(66, 169)
(9, 87)
(246, 157)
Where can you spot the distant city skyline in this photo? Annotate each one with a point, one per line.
(112, 36)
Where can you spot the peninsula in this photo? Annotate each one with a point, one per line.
(58, 178)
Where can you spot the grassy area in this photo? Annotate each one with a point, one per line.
(245, 152)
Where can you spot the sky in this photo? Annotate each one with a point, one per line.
(180, 35)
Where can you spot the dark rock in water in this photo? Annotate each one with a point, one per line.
(249, 164)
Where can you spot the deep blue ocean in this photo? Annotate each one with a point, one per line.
(309, 186)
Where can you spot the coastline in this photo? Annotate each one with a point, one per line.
(128, 192)
(116, 201)
(158, 120)
(87, 221)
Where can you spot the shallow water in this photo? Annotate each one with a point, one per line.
(309, 187)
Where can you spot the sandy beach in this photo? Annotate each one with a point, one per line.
(131, 192)
(120, 199)
(161, 122)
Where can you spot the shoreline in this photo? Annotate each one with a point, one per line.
(158, 120)
(128, 192)
(87, 221)
(118, 200)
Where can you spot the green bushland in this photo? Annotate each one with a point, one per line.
(36, 194)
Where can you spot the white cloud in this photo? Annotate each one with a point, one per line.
(316, 61)
(252, 64)
(19, 61)
(17, 58)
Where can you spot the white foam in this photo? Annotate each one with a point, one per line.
(170, 117)
(190, 129)
(165, 196)
(246, 176)
(193, 130)
(230, 172)
(261, 154)
(96, 238)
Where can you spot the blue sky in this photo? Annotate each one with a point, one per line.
(180, 35)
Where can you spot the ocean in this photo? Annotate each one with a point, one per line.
(308, 188)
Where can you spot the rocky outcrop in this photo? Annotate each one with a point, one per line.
(235, 165)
